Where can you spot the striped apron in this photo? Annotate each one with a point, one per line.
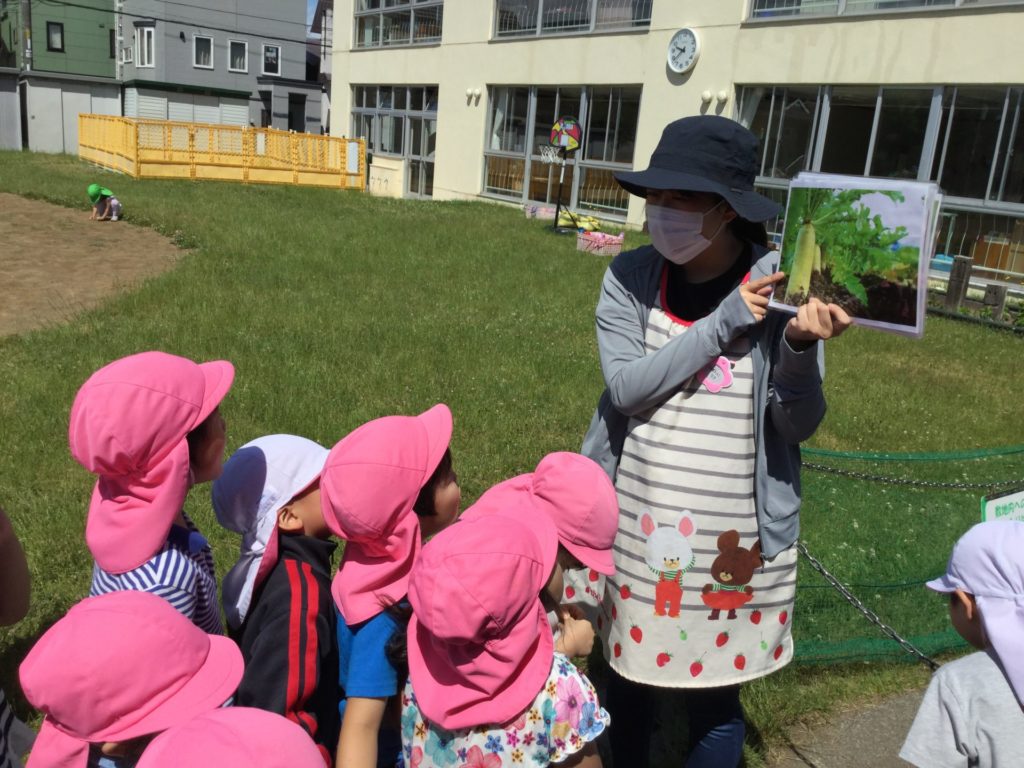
(692, 605)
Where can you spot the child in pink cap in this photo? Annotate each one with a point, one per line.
(116, 670)
(277, 597)
(385, 488)
(236, 737)
(972, 711)
(150, 428)
(486, 686)
(579, 498)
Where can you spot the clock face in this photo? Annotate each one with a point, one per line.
(683, 50)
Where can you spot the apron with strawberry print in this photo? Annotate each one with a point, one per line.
(692, 605)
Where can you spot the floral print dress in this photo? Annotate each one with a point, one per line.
(560, 722)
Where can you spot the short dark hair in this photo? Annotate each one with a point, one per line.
(424, 504)
(196, 437)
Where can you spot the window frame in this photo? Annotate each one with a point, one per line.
(141, 62)
(245, 56)
(592, 26)
(589, 94)
(406, 114)
(380, 10)
(263, 59)
(195, 63)
(51, 27)
(935, 143)
(846, 9)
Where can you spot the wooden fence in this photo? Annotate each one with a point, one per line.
(162, 149)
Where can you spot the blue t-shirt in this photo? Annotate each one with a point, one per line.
(363, 667)
(365, 672)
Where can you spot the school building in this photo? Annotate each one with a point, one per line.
(456, 96)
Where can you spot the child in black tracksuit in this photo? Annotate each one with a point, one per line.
(278, 596)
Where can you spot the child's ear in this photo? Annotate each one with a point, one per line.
(288, 521)
(970, 606)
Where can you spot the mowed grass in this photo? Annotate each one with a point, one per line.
(338, 307)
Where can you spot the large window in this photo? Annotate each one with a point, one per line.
(401, 121)
(968, 139)
(397, 22)
(202, 52)
(519, 123)
(524, 18)
(770, 9)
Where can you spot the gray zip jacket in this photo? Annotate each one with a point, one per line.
(788, 401)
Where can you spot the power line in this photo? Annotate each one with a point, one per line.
(183, 22)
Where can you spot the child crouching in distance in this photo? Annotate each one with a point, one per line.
(386, 487)
(235, 737)
(486, 686)
(105, 207)
(115, 671)
(277, 597)
(972, 711)
(149, 426)
(579, 498)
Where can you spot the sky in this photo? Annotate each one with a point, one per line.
(310, 7)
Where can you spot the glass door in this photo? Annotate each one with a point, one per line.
(422, 138)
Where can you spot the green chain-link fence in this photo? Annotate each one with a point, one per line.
(875, 527)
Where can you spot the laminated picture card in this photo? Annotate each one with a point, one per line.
(861, 243)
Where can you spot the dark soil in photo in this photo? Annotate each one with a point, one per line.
(888, 302)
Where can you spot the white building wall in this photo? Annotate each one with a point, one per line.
(949, 47)
(10, 112)
(53, 107)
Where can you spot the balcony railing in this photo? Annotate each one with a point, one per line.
(769, 9)
(528, 18)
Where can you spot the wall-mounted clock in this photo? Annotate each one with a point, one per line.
(683, 51)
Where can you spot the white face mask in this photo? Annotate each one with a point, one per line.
(677, 234)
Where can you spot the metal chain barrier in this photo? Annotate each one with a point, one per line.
(977, 453)
(992, 485)
(867, 612)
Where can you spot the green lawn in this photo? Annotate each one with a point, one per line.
(338, 307)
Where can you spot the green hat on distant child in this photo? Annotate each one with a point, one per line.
(96, 191)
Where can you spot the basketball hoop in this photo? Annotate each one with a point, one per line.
(565, 138)
(550, 154)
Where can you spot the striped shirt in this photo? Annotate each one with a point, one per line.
(181, 573)
(6, 720)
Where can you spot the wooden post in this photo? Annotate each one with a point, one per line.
(995, 297)
(959, 278)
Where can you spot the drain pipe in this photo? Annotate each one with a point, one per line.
(26, 35)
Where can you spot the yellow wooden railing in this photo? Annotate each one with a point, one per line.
(161, 149)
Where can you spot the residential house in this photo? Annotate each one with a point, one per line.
(323, 27)
(63, 60)
(219, 61)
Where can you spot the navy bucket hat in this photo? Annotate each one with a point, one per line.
(706, 153)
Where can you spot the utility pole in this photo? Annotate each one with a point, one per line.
(26, 35)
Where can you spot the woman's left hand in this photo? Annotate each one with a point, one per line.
(816, 321)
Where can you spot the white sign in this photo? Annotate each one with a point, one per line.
(1008, 506)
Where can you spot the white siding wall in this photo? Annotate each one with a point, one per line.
(131, 102)
(234, 111)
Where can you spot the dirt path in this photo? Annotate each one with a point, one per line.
(54, 262)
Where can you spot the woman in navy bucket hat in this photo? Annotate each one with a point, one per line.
(708, 395)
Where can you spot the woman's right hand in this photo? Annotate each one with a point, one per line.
(757, 293)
